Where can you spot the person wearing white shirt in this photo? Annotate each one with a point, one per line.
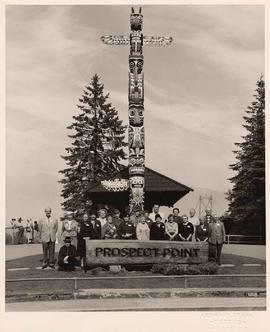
(142, 230)
(194, 220)
(69, 228)
(28, 230)
(155, 212)
(102, 217)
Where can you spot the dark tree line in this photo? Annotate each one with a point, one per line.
(247, 197)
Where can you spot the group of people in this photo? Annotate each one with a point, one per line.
(141, 226)
(24, 231)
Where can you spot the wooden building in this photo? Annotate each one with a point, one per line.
(159, 189)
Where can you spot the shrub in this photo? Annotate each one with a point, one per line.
(209, 268)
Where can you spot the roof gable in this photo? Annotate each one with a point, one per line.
(154, 182)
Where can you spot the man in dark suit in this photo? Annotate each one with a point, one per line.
(208, 218)
(201, 232)
(67, 256)
(216, 239)
(117, 221)
(96, 231)
(157, 229)
(47, 233)
(127, 230)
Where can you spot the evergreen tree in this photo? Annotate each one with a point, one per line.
(96, 149)
(247, 197)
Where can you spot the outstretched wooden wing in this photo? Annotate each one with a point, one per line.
(157, 41)
(115, 40)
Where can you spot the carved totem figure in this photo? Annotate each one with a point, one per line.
(136, 40)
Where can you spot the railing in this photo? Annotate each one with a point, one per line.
(185, 277)
(244, 239)
(11, 234)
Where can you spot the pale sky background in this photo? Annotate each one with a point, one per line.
(196, 91)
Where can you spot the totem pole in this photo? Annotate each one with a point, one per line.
(136, 40)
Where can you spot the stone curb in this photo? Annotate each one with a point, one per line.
(167, 293)
(138, 293)
(39, 297)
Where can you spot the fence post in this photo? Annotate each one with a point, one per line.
(75, 283)
(185, 280)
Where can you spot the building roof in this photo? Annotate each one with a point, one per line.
(154, 181)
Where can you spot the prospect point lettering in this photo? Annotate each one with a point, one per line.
(146, 252)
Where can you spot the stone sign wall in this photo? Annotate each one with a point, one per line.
(103, 252)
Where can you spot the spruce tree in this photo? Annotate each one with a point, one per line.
(96, 149)
(247, 197)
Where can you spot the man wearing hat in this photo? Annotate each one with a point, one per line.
(127, 230)
(67, 256)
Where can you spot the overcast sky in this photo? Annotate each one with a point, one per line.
(196, 90)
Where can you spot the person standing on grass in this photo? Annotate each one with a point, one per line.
(142, 230)
(216, 239)
(208, 218)
(20, 233)
(201, 232)
(96, 229)
(15, 229)
(155, 212)
(135, 218)
(47, 233)
(85, 229)
(117, 221)
(176, 216)
(69, 228)
(185, 230)
(102, 217)
(127, 230)
(171, 229)
(157, 230)
(67, 256)
(194, 220)
(36, 232)
(148, 220)
(29, 231)
(109, 230)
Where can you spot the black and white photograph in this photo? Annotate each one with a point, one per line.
(135, 159)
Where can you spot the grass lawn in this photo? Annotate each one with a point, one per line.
(62, 286)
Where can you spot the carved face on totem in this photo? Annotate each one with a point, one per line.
(136, 42)
(136, 64)
(136, 88)
(136, 161)
(136, 137)
(137, 182)
(136, 115)
(136, 170)
(136, 20)
(137, 198)
(137, 187)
